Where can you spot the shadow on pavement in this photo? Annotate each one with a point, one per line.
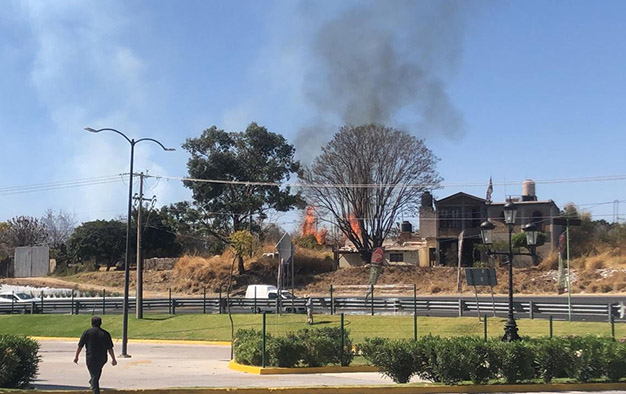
(40, 386)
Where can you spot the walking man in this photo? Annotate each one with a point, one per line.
(309, 310)
(98, 343)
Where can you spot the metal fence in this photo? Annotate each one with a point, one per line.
(449, 307)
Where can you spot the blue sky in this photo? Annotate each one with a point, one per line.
(507, 89)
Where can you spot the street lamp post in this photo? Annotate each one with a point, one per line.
(132, 143)
(486, 231)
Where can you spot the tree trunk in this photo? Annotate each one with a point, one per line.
(240, 266)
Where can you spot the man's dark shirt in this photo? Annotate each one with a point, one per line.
(97, 341)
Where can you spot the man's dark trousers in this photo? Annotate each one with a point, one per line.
(95, 370)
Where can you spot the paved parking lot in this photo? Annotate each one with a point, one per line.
(164, 365)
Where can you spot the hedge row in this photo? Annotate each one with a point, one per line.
(306, 347)
(452, 360)
(19, 361)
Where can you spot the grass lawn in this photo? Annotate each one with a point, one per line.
(217, 327)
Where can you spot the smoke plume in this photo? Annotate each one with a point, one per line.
(386, 62)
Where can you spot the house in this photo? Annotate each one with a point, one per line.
(408, 249)
(456, 219)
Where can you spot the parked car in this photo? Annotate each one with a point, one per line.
(21, 302)
(270, 292)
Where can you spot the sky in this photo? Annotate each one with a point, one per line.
(503, 89)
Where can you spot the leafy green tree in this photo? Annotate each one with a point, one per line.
(251, 162)
(102, 240)
(159, 238)
(192, 229)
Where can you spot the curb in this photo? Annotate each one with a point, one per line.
(303, 370)
(396, 389)
(167, 341)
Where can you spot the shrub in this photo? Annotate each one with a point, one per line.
(587, 356)
(615, 361)
(425, 354)
(516, 361)
(20, 361)
(482, 360)
(552, 357)
(452, 364)
(322, 346)
(395, 358)
(284, 351)
(248, 346)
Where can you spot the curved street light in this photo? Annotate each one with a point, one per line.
(486, 232)
(132, 143)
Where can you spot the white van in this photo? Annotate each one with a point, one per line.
(269, 292)
(261, 292)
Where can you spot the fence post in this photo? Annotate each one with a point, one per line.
(78, 307)
(372, 295)
(531, 308)
(415, 326)
(204, 300)
(41, 295)
(613, 327)
(342, 343)
(173, 306)
(104, 301)
(32, 308)
(461, 306)
(169, 301)
(551, 326)
(220, 299)
(485, 327)
(72, 306)
(332, 301)
(263, 348)
(12, 301)
(255, 300)
(610, 310)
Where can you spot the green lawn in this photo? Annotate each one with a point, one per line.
(217, 327)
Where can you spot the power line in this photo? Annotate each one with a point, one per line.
(604, 178)
(59, 185)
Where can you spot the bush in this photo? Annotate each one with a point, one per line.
(248, 346)
(615, 361)
(322, 346)
(284, 351)
(552, 357)
(588, 357)
(19, 361)
(395, 358)
(452, 364)
(310, 347)
(482, 360)
(516, 361)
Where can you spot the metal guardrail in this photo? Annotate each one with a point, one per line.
(349, 305)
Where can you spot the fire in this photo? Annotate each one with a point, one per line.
(354, 223)
(309, 226)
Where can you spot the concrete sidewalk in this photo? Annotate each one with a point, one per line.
(164, 365)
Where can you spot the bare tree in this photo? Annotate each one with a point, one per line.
(365, 177)
(59, 226)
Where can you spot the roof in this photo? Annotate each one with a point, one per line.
(527, 202)
(461, 194)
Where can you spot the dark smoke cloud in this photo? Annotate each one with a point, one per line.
(380, 59)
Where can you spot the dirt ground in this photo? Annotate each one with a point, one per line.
(428, 281)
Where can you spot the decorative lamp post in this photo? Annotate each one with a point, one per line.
(132, 143)
(486, 232)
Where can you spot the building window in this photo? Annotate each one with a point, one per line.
(396, 257)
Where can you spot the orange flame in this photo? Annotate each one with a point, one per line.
(354, 223)
(309, 227)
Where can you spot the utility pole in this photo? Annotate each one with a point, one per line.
(139, 298)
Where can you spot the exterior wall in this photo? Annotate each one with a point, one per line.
(350, 260)
(32, 261)
(409, 257)
(428, 223)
